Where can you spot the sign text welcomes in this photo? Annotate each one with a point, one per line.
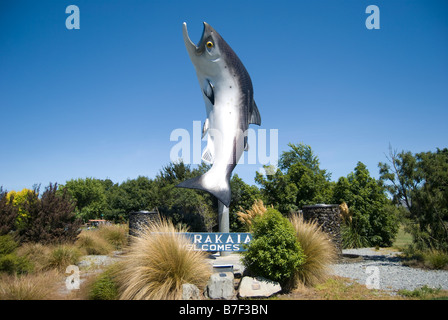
(218, 241)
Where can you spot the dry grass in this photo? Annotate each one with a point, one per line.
(103, 240)
(115, 234)
(39, 286)
(46, 257)
(62, 256)
(93, 242)
(258, 209)
(158, 263)
(38, 254)
(339, 288)
(346, 215)
(319, 251)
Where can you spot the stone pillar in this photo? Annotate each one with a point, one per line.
(328, 217)
(139, 218)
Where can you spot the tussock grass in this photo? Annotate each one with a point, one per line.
(62, 256)
(158, 262)
(46, 257)
(319, 251)
(92, 242)
(38, 255)
(40, 286)
(116, 235)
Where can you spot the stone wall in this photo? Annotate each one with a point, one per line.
(139, 218)
(328, 216)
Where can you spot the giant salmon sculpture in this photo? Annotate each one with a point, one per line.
(229, 101)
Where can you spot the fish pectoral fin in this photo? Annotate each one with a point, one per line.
(205, 127)
(209, 92)
(207, 155)
(255, 117)
(246, 144)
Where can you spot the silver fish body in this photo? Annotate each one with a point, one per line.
(228, 94)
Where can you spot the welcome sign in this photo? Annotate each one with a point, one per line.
(232, 241)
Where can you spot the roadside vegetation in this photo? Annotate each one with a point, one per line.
(36, 271)
(406, 208)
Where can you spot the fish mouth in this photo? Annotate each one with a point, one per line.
(192, 48)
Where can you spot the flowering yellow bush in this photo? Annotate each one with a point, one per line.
(20, 199)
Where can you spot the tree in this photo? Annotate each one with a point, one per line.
(18, 200)
(402, 178)
(115, 202)
(243, 197)
(297, 182)
(193, 208)
(8, 213)
(51, 218)
(420, 183)
(90, 197)
(137, 194)
(373, 220)
(430, 200)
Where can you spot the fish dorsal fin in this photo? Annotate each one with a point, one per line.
(255, 117)
(205, 127)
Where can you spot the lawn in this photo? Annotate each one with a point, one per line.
(403, 239)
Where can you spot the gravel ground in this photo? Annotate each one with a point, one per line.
(383, 265)
(382, 270)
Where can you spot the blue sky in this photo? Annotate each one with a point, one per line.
(103, 100)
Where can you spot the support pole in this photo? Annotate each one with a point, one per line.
(223, 220)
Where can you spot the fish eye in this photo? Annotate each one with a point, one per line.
(209, 44)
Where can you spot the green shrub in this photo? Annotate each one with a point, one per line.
(7, 244)
(13, 264)
(431, 259)
(10, 262)
(105, 286)
(435, 259)
(421, 292)
(274, 253)
(353, 237)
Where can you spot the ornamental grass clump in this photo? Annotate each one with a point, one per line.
(115, 234)
(258, 209)
(91, 242)
(319, 251)
(35, 286)
(158, 262)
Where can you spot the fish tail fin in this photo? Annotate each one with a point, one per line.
(219, 189)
